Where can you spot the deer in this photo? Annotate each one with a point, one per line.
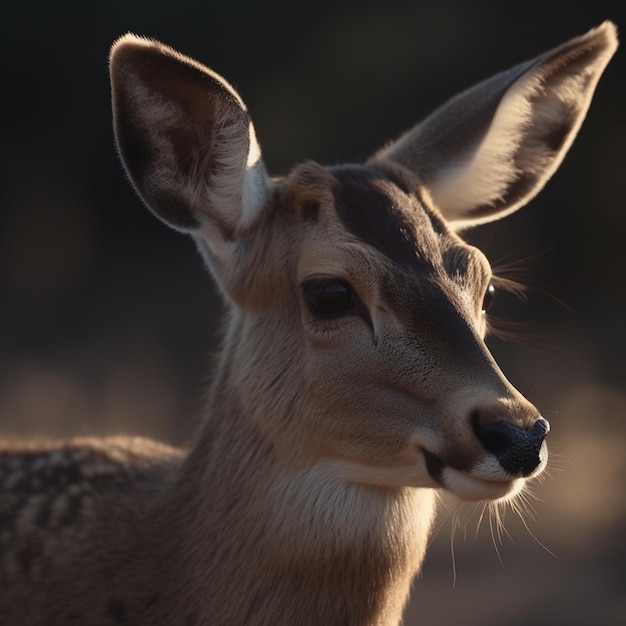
(353, 386)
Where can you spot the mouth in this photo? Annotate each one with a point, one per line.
(435, 466)
(471, 486)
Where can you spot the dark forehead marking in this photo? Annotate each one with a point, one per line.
(371, 207)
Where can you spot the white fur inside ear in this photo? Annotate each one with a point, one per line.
(207, 155)
(237, 193)
(254, 184)
(533, 127)
(483, 176)
(248, 194)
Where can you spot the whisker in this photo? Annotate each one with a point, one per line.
(452, 553)
(520, 514)
(494, 541)
(484, 508)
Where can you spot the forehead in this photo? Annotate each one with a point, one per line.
(380, 211)
(388, 218)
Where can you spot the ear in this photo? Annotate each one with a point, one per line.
(187, 143)
(491, 149)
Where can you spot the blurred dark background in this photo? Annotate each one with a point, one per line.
(107, 318)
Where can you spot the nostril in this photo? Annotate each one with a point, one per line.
(517, 449)
(540, 429)
(496, 437)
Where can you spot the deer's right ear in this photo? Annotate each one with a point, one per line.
(187, 142)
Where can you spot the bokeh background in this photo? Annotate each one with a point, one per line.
(107, 318)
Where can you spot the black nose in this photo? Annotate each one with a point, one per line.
(517, 449)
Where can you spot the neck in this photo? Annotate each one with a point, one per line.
(298, 542)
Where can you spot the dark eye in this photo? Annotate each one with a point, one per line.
(488, 299)
(328, 297)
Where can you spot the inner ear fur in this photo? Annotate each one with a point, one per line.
(186, 139)
(491, 149)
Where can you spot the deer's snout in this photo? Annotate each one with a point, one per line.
(519, 450)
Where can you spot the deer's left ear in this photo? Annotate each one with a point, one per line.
(490, 150)
(187, 142)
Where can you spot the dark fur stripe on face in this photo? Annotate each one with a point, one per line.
(380, 214)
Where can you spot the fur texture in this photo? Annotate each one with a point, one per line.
(354, 380)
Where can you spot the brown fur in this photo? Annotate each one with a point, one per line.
(308, 494)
